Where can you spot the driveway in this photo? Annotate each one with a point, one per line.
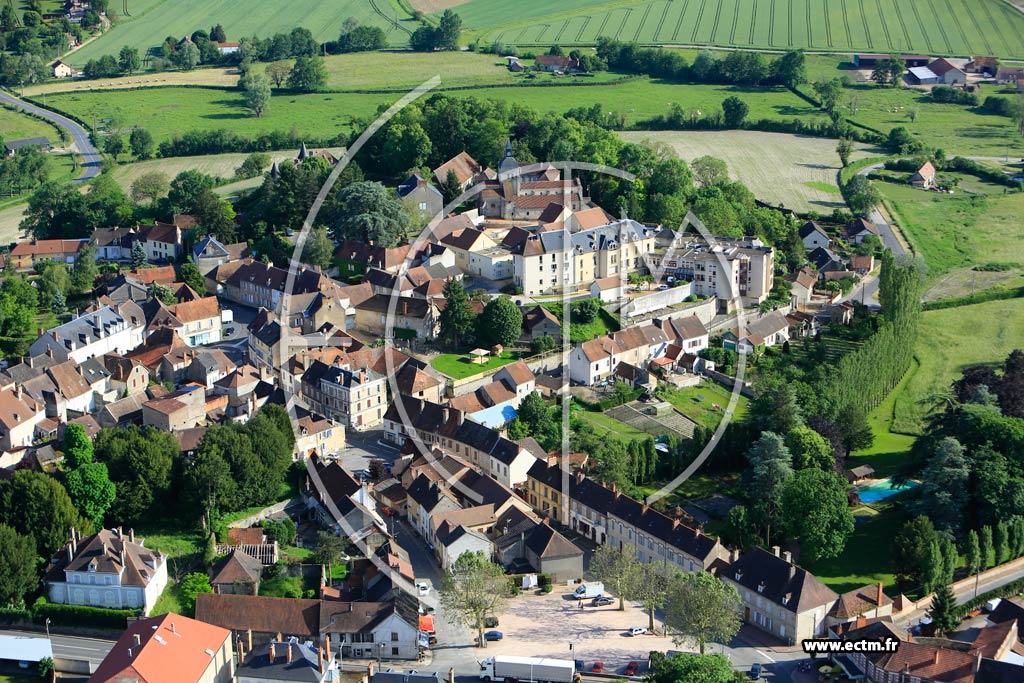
(79, 136)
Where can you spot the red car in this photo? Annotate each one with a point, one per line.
(389, 511)
(631, 669)
(597, 668)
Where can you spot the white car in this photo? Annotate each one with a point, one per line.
(423, 587)
(636, 631)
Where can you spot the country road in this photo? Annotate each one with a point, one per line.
(79, 136)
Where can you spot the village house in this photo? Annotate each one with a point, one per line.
(406, 317)
(259, 285)
(813, 236)
(924, 177)
(730, 269)
(315, 434)
(177, 410)
(779, 597)
(25, 255)
(415, 382)
(555, 63)
(353, 396)
(423, 200)
(771, 329)
(802, 285)
(161, 241)
(357, 628)
(209, 253)
(858, 230)
(19, 417)
(539, 321)
(463, 166)
(982, 65)
(340, 503)
(515, 194)
(62, 70)
(169, 648)
(236, 572)
(108, 569)
(105, 330)
(287, 661)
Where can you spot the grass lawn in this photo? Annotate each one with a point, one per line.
(688, 401)
(16, 126)
(604, 424)
(171, 110)
(604, 323)
(217, 165)
(993, 27)
(955, 128)
(169, 600)
(288, 586)
(288, 490)
(866, 557)
(296, 552)
(950, 340)
(178, 542)
(152, 20)
(958, 231)
(887, 452)
(10, 217)
(795, 170)
(460, 365)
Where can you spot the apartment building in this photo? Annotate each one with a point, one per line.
(726, 269)
(355, 397)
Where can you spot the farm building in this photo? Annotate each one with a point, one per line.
(948, 72)
(11, 147)
(227, 48)
(982, 65)
(868, 61)
(922, 75)
(554, 63)
(1009, 76)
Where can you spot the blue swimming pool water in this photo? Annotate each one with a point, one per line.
(882, 490)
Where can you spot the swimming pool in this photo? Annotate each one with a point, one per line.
(880, 490)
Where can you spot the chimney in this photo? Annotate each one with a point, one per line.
(241, 649)
(451, 675)
(131, 535)
(172, 629)
(288, 653)
(370, 669)
(137, 640)
(49, 351)
(935, 659)
(775, 550)
(55, 337)
(273, 653)
(320, 658)
(327, 646)
(120, 532)
(977, 662)
(643, 508)
(879, 597)
(249, 644)
(675, 523)
(787, 556)
(615, 487)
(861, 622)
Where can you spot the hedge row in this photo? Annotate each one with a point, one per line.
(60, 131)
(994, 294)
(1009, 589)
(80, 615)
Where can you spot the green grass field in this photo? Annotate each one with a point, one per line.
(16, 126)
(217, 165)
(797, 171)
(958, 231)
(952, 127)
(866, 558)
(609, 425)
(688, 400)
(949, 340)
(986, 26)
(167, 111)
(460, 365)
(153, 20)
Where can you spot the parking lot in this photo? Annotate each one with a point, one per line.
(545, 625)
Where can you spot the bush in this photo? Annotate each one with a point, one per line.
(12, 615)
(511, 289)
(946, 94)
(544, 580)
(80, 615)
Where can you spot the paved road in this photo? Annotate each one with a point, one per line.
(73, 647)
(80, 137)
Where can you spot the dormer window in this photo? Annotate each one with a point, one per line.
(760, 587)
(739, 575)
(785, 599)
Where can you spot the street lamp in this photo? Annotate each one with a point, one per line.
(380, 653)
(47, 628)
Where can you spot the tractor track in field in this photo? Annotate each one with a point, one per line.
(586, 22)
(846, 24)
(903, 25)
(679, 21)
(864, 20)
(391, 22)
(942, 28)
(600, 31)
(885, 26)
(714, 26)
(643, 20)
(661, 24)
(789, 26)
(753, 23)
(696, 24)
(959, 25)
(983, 34)
(558, 36)
(735, 23)
(622, 25)
(543, 29)
(807, 16)
(927, 38)
(996, 26)
(828, 24)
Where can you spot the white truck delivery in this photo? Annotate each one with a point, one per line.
(588, 589)
(528, 669)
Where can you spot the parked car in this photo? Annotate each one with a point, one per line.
(493, 635)
(229, 331)
(490, 622)
(636, 631)
(389, 511)
(423, 587)
(755, 671)
(597, 668)
(631, 669)
(601, 601)
(579, 665)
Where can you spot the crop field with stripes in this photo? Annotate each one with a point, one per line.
(933, 27)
